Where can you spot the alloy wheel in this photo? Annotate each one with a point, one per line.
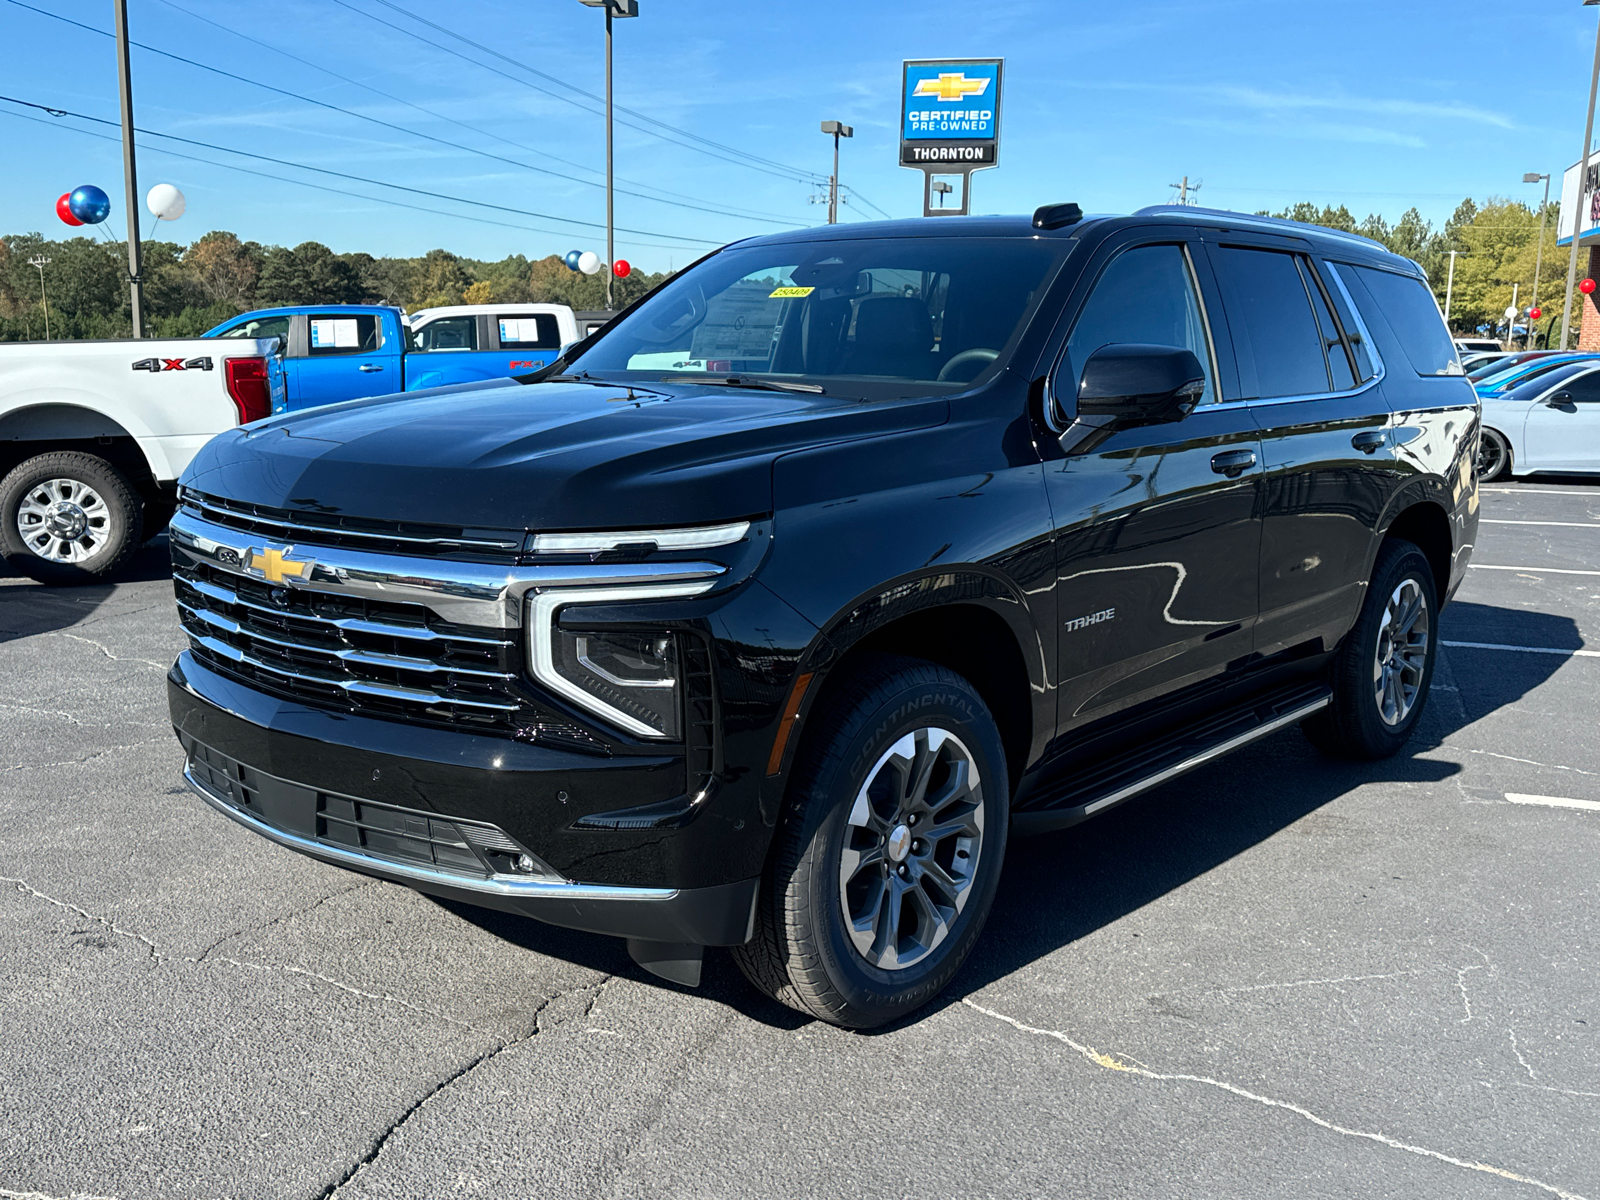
(911, 848)
(64, 520)
(1402, 652)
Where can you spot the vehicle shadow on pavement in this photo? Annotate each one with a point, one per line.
(1061, 887)
(28, 608)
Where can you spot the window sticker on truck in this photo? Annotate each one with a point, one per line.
(340, 332)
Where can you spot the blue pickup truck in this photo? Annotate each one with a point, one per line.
(345, 351)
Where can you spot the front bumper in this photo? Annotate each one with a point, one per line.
(257, 760)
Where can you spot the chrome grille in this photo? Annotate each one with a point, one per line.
(357, 533)
(380, 658)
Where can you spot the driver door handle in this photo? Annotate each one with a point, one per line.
(1368, 440)
(370, 367)
(1233, 463)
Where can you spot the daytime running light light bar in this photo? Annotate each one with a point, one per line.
(701, 538)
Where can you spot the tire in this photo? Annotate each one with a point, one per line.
(1494, 455)
(1376, 706)
(48, 499)
(843, 848)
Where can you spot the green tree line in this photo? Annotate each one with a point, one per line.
(1496, 245)
(188, 289)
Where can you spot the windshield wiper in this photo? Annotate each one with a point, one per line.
(580, 377)
(739, 381)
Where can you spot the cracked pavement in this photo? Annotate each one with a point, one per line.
(1279, 976)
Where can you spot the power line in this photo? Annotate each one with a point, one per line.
(386, 124)
(783, 172)
(284, 162)
(846, 187)
(307, 184)
(489, 133)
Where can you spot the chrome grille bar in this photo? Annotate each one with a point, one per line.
(285, 529)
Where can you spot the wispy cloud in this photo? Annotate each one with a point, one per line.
(1314, 131)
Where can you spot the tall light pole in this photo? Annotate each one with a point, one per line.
(1538, 254)
(943, 189)
(1450, 287)
(1583, 174)
(614, 8)
(129, 174)
(40, 261)
(838, 131)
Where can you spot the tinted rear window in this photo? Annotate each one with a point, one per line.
(1270, 318)
(1409, 307)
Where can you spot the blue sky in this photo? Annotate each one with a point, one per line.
(1375, 105)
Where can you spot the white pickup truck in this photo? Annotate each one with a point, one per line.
(93, 436)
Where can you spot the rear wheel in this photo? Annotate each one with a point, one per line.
(889, 851)
(1384, 666)
(68, 518)
(1494, 455)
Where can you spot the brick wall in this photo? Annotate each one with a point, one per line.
(1589, 330)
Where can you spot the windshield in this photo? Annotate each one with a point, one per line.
(1531, 389)
(1495, 366)
(878, 315)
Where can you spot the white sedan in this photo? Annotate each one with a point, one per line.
(1549, 425)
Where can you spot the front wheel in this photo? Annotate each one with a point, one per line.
(68, 518)
(1382, 669)
(889, 850)
(1494, 455)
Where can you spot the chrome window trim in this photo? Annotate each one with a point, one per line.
(488, 595)
(542, 611)
(508, 886)
(1378, 368)
(702, 537)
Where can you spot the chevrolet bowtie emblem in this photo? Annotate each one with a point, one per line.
(952, 86)
(272, 566)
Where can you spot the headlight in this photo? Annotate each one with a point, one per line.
(630, 679)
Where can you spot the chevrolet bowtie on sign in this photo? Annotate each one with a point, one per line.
(275, 565)
(950, 120)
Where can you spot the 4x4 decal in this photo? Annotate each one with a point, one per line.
(173, 364)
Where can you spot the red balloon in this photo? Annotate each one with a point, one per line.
(1535, 313)
(64, 212)
(621, 269)
(1586, 286)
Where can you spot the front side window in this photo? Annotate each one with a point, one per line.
(338, 333)
(1270, 317)
(1145, 295)
(258, 327)
(1585, 389)
(446, 333)
(901, 315)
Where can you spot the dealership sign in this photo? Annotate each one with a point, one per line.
(950, 119)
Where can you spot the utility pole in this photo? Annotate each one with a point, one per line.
(1583, 175)
(40, 261)
(612, 8)
(1449, 288)
(129, 174)
(1511, 319)
(1538, 254)
(1184, 188)
(838, 131)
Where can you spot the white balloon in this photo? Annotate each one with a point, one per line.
(166, 202)
(589, 262)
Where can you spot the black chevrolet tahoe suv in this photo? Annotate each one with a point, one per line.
(769, 612)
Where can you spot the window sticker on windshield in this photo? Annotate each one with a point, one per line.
(331, 332)
(791, 293)
(740, 322)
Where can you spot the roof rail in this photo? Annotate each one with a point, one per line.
(1250, 220)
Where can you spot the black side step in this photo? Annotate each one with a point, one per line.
(1080, 794)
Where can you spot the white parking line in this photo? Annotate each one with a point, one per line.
(1522, 649)
(1528, 491)
(1554, 801)
(1533, 570)
(1562, 524)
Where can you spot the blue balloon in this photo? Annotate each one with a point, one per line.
(572, 258)
(89, 204)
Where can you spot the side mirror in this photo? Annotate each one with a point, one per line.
(1559, 399)
(1137, 384)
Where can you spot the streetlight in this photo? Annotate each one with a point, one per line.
(40, 261)
(1538, 255)
(616, 8)
(838, 131)
(943, 188)
(1583, 172)
(129, 174)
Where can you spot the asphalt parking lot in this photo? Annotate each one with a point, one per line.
(1280, 976)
